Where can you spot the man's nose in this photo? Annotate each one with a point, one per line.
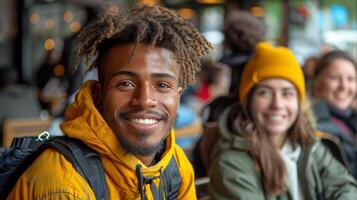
(144, 97)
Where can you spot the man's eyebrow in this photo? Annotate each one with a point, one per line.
(164, 75)
(136, 75)
(125, 73)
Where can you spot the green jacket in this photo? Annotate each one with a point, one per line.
(234, 174)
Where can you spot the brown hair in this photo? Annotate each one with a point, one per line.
(154, 25)
(328, 58)
(324, 62)
(243, 31)
(263, 151)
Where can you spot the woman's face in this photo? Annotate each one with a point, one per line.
(275, 106)
(337, 84)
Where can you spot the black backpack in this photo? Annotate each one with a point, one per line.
(24, 151)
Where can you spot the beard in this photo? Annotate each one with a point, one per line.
(141, 149)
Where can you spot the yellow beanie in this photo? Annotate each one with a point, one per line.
(271, 62)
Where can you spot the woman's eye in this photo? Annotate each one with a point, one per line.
(289, 94)
(264, 93)
(333, 77)
(351, 79)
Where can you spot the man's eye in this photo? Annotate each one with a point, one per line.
(163, 85)
(125, 84)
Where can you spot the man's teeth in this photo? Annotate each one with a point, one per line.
(276, 117)
(144, 121)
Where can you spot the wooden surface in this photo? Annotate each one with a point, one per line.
(191, 130)
(23, 127)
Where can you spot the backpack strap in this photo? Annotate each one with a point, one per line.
(86, 161)
(171, 180)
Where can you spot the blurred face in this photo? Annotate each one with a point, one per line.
(139, 95)
(337, 84)
(275, 106)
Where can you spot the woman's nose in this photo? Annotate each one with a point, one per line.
(277, 101)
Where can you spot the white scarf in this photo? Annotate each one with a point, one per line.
(290, 157)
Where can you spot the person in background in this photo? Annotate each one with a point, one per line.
(267, 150)
(145, 59)
(242, 32)
(214, 81)
(308, 69)
(51, 83)
(334, 91)
(16, 101)
(310, 66)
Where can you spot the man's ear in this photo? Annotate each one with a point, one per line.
(180, 91)
(97, 94)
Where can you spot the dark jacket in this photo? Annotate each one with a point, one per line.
(212, 110)
(235, 175)
(324, 123)
(236, 62)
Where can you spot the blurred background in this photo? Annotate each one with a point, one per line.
(37, 39)
(30, 29)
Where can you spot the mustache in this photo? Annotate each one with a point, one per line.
(140, 111)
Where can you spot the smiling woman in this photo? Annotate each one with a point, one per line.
(275, 106)
(335, 88)
(266, 145)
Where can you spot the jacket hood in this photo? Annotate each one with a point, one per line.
(229, 139)
(83, 121)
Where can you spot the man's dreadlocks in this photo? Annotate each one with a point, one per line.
(153, 25)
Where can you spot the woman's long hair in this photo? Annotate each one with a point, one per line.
(263, 151)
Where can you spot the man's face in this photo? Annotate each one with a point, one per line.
(139, 95)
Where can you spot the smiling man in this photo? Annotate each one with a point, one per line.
(144, 60)
(139, 99)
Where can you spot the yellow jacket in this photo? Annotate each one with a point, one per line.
(51, 176)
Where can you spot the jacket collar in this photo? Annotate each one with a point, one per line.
(321, 111)
(323, 115)
(228, 138)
